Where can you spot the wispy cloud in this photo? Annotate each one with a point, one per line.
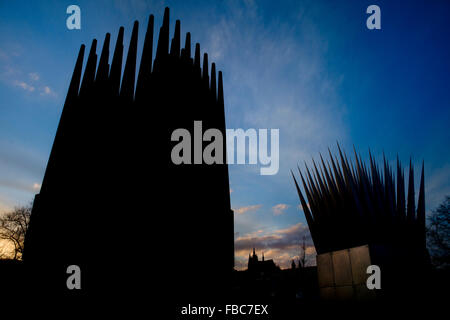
(278, 239)
(34, 76)
(282, 245)
(36, 186)
(25, 86)
(20, 184)
(279, 209)
(12, 73)
(243, 210)
(47, 91)
(437, 186)
(275, 76)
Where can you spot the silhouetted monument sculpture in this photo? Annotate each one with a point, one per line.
(349, 205)
(111, 200)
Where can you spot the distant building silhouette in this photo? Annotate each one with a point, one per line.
(111, 196)
(261, 266)
(263, 280)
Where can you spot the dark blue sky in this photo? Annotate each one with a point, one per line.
(309, 68)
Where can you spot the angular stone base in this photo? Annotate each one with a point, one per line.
(342, 274)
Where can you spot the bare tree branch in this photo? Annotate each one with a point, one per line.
(438, 233)
(13, 227)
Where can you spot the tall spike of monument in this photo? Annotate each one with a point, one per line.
(89, 73)
(205, 75)
(220, 89)
(116, 65)
(72, 94)
(401, 208)
(421, 208)
(187, 45)
(213, 80)
(76, 76)
(145, 68)
(162, 48)
(175, 47)
(103, 65)
(410, 208)
(197, 56)
(308, 216)
(129, 73)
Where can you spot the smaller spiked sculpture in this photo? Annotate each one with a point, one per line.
(349, 205)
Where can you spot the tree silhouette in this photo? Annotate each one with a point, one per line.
(13, 227)
(438, 233)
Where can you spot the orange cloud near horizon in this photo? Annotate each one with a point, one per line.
(282, 245)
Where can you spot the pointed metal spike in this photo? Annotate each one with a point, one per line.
(166, 17)
(71, 97)
(410, 209)
(313, 185)
(323, 189)
(307, 190)
(89, 72)
(103, 66)
(175, 47)
(129, 74)
(421, 208)
(345, 169)
(303, 202)
(358, 165)
(401, 210)
(162, 49)
(197, 55)
(337, 174)
(205, 68)
(213, 80)
(308, 216)
(220, 90)
(116, 65)
(330, 181)
(309, 195)
(76, 76)
(145, 68)
(187, 45)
